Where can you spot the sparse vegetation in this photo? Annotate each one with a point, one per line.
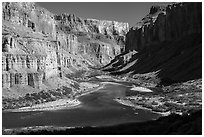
(36, 98)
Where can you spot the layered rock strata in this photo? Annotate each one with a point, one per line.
(106, 36)
(37, 44)
(77, 24)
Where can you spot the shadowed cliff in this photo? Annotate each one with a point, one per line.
(168, 42)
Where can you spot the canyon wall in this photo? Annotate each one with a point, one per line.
(26, 61)
(77, 24)
(167, 43)
(37, 44)
(104, 39)
(165, 24)
(29, 15)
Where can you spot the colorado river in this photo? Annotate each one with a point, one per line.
(96, 109)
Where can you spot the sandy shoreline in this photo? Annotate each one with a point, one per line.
(130, 104)
(114, 83)
(50, 106)
(140, 89)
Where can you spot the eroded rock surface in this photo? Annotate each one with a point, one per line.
(38, 45)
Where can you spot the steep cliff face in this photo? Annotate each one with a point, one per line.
(108, 36)
(38, 45)
(167, 42)
(29, 15)
(26, 60)
(77, 24)
(165, 24)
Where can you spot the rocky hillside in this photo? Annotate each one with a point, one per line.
(38, 45)
(167, 43)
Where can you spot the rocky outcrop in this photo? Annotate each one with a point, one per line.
(19, 67)
(10, 79)
(29, 15)
(165, 24)
(77, 24)
(28, 45)
(67, 42)
(30, 62)
(167, 42)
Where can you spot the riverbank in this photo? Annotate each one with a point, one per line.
(61, 103)
(140, 89)
(145, 93)
(67, 102)
(50, 106)
(130, 104)
(180, 100)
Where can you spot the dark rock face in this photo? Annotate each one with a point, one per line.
(37, 44)
(163, 24)
(155, 9)
(168, 42)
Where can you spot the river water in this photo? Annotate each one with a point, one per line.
(97, 109)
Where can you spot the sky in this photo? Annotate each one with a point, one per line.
(131, 12)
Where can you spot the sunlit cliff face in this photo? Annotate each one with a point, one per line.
(38, 44)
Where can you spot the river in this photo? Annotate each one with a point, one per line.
(96, 109)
